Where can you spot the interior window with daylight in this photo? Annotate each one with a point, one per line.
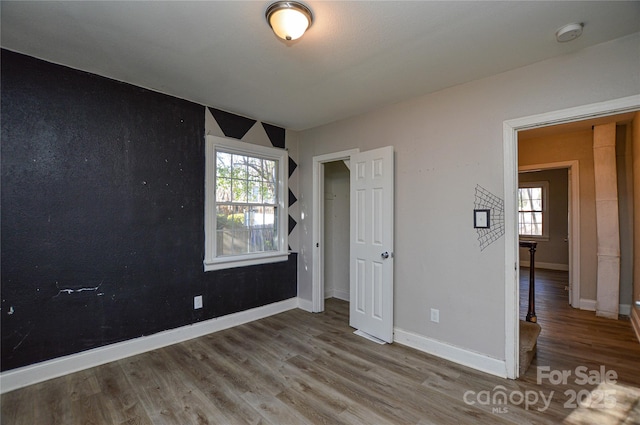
(532, 200)
(246, 213)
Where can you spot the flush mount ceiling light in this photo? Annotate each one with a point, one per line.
(289, 19)
(569, 32)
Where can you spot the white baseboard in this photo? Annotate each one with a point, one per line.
(335, 293)
(341, 295)
(624, 309)
(548, 266)
(450, 352)
(305, 305)
(21, 377)
(635, 322)
(586, 304)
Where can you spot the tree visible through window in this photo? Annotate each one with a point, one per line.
(531, 209)
(246, 204)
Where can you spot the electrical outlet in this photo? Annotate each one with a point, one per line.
(197, 302)
(435, 315)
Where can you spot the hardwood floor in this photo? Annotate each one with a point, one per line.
(303, 368)
(572, 337)
(579, 342)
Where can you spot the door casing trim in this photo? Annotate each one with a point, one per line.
(317, 281)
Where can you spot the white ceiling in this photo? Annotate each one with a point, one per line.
(356, 57)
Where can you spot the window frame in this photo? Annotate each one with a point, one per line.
(545, 208)
(211, 261)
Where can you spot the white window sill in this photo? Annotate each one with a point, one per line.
(231, 262)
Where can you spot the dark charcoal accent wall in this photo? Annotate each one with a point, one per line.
(102, 216)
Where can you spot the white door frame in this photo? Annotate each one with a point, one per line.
(510, 151)
(574, 220)
(317, 285)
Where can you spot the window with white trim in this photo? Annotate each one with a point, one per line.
(532, 210)
(245, 204)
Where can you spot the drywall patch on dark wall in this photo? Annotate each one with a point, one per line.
(102, 216)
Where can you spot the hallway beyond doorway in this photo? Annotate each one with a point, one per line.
(571, 337)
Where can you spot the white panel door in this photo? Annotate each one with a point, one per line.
(371, 272)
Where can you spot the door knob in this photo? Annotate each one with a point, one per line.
(385, 255)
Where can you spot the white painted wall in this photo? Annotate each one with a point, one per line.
(446, 143)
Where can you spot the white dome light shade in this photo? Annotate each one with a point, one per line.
(289, 19)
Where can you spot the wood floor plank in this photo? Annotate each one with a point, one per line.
(357, 414)
(143, 379)
(373, 353)
(187, 373)
(169, 397)
(390, 408)
(92, 409)
(273, 409)
(261, 368)
(19, 406)
(221, 392)
(244, 372)
(119, 395)
(52, 404)
(391, 385)
(306, 404)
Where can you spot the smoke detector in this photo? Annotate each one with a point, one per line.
(569, 32)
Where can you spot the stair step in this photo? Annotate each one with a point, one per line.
(529, 332)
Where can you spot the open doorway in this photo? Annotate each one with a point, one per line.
(322, 165)
(558, 234)
(543, 154)
(512, 129)
(336, 230)
(544, 190)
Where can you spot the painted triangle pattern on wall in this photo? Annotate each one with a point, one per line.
(232, 125)
(292, 198)
(292, 224)
(276, 135)
(292, 166)
(225, 124)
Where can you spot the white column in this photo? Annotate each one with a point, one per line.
(607, 220)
